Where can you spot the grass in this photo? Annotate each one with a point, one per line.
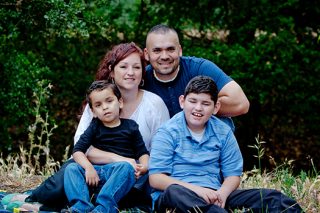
(304, 187)
(21, 171)
(18, 175)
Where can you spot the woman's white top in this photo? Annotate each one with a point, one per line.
(149, 115)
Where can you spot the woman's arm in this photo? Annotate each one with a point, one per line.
(143, 165)
(85, 120)
(97, 156)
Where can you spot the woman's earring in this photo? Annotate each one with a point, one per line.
(112, 80)
(142, 83)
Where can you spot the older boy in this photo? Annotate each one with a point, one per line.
(195, 162)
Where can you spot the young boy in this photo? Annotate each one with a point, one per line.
(195, 161)
(108, 132)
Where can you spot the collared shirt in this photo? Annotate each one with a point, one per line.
(174, 152)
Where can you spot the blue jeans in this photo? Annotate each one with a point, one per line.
(116, 180)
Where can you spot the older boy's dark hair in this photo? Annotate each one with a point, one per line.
(99, 86)
(202, 84)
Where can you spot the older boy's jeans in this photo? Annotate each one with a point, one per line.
(184, 200)
(116, 179)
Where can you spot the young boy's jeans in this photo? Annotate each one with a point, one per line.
(116, 179)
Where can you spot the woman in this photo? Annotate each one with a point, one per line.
(125, 66)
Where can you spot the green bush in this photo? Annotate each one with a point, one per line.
(271, 50)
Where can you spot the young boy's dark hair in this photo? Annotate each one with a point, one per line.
(202, 84)
(101, 85)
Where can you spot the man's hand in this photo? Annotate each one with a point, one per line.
(92, 178)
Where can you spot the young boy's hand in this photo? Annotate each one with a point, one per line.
(92, 178)
(140, 170)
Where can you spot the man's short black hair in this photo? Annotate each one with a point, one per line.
(161, 28)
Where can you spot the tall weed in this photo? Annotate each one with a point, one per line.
(304, 187)
(34, 160)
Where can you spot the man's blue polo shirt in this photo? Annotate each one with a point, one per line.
(174, 152)
(189, 68)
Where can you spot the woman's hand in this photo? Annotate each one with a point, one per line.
(140, 170)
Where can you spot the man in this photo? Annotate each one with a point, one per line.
(169, 72)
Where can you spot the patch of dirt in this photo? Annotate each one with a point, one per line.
(13, 184)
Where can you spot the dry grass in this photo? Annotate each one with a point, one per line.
(304, 187)
(12, 185)
(18, 176)
(305, 190)
(22, 171)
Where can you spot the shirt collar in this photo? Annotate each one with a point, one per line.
(166, 81)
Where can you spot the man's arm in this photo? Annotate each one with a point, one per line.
(233, 100)
(163, 181)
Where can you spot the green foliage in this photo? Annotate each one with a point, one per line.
(22, 72)
(270, 49)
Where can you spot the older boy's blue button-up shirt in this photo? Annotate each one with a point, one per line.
(205, 163)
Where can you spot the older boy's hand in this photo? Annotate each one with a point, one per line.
(223, 199)
(209, 195)
(92, 178)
